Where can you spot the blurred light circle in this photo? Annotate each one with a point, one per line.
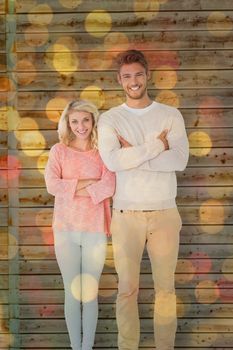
(94, 94)
(40, 14)
(98, 23)
(168, 97)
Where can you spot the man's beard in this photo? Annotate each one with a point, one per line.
(137, 97)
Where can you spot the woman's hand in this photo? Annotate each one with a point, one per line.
(123, 142)
(82, 184)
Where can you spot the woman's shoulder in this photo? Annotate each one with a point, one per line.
(58, 148)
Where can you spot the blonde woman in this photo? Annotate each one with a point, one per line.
(82, 185)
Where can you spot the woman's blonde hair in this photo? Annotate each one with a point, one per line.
(65, 133)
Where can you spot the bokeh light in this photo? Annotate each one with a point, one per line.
(12, 246)
(40, 14)
(157, 59)
(28, 123)
(30, 140)
(184, 265)
(210, 106)
(225, 290)
(84, 288)
(200, 143)
(212, 216)
(94, 94)
(147, 9)
(98, 23)
(14, 167)
(164, 78)
(47, 237)
(219, 24)
(33, 39)
(64, 60)
(201, 262)
(168, 97)
(227, 268)
(207, 292)
(99, 60)
(10, 118)
(55, 106)
(42, 161)
(25, 66)
(70, 4)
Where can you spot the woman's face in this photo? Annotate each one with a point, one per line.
(81, 124)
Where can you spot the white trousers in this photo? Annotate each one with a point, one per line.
(80, 257)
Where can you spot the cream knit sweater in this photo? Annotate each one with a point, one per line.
(145, 173)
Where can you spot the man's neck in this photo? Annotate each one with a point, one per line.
(140, 103)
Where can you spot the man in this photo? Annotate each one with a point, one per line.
(144, 142)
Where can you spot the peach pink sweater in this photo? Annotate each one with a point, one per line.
(79, 213)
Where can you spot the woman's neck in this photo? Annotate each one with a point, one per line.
(81, 145)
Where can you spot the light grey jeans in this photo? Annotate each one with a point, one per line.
(80, 256)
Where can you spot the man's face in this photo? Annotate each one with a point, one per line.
(133, 78)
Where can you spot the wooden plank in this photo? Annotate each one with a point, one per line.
(188, 79)
(2, 62)
(3, 267)
(106, 296)
(3, 178)
(220, 176)
(195, 234)
(199, 60)
(109, 281)
(174, 40)
(3, 140)
(2, 22)
(3, 216)
(213, 251)
(187, 265)
(2, 43)
(110, 340)
(3, 198)
(126, 22)
(203, 117)
(119, 5)
(109, 326)
(34, 197)
(44, 139)
(215, 157)
(190, 215)
(3, 236)
(108, 311)
(185, 98)
(2, 6)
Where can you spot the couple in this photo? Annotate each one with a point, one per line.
(143, 143)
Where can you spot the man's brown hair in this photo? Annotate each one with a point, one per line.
(131, 56)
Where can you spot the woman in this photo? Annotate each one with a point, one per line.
(82, 185)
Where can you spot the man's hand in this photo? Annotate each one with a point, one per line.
(123, 142)
(163, 138)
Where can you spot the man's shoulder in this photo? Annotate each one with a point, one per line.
(110, 114)
(169, 111)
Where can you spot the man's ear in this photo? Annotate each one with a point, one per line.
(149, 75)
(119, 78)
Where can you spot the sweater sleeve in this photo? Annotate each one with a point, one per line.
(104, 188)
(56, 185)
(117, 158)
(176, 158)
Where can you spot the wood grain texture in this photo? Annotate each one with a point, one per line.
(119, 5)
(162, 40)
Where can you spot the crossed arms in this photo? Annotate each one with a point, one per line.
(167, 152)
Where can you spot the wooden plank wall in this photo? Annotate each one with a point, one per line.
(53, 51)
